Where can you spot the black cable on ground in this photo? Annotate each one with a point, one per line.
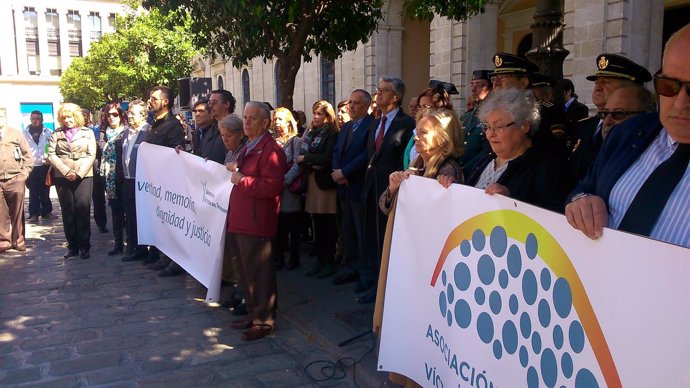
(337, 370)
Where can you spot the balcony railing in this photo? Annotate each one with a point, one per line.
(53, 33)
(31, 33)
(95, 35)
(74, 35)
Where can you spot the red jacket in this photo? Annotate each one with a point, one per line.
(255, 199)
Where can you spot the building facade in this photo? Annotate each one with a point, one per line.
(449, 51)
(40, 38)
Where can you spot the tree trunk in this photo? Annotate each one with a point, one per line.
(288, 68)
(547, 50)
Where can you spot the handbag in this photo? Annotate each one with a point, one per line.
(299, 184)
(49, 177)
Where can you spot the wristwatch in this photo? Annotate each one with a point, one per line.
(579, 196)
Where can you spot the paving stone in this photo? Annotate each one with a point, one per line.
(19, 375)
(284, 377)
(46, 355)
(193, 377)
(64, 382)
(57, 339)
(109, 375)
(85, 363)
(8, 361)
(256, 365)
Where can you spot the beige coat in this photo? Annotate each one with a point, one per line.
(77, 156)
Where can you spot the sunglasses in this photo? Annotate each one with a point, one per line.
(617, 114)
(669, 87)
(113, 114)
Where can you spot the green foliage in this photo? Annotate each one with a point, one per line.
(143, 52)
(286, 30)
(452, 9)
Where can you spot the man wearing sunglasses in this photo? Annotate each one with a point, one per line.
(613, 72)
(624, 103)
(639, 182)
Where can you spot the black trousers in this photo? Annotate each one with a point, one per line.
(75, 203)
(289, 227)
(39, 193)
(117, 210)
(130, 207)
(98, 196)
(325, 237)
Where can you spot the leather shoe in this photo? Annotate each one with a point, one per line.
(49, 216)
(84, 254)
(240, 309)
(160, 264)
(32, 218)
(346, 278)
(326, 271)
(20, 248)
(70, 253)
(173, 269)
(116, 249)
(368, 298)
(256, 332)
(241, 324)
(133, 257)
(103, 229)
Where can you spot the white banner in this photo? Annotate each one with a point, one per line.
(182, 205)
(485, 291)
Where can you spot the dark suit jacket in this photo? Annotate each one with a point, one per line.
(352, 158)
(119, 152)
(576, 112)
(166, 132)
(390, 156)
(211, 146)
(624, 144)
(586, 146)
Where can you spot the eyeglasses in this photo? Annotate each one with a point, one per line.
(497, 128)
(669, 87)
(214, 102)
(380, 90)
(156, 98)
(617, 114)
(113, 114)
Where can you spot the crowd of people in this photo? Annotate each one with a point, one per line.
(336, 179)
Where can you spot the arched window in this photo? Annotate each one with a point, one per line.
(279, 89)
(219, 83)
(328, 81)
(246, 97)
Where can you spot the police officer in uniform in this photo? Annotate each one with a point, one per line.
(476, 146)
(613, 72)
(512, 71)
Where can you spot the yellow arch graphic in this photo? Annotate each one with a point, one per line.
(515, 223)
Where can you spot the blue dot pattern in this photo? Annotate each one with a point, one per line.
(545, 344)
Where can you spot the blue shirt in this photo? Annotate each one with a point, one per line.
(673, 224)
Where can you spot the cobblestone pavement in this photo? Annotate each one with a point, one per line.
(66, 323)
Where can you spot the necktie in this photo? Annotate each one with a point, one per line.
(379, 137)
(651, 199)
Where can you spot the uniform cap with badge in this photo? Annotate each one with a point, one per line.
(617, 66)
(506, 63)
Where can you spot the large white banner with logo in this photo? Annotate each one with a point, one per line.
(182, 205)
(484, 291)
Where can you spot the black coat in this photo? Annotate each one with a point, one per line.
(586, 146)
(390, 156)
(211, 146)
(166, 132)
(536, 177)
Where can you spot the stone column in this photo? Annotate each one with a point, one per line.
(85, 32)
(63, 29)
(43, 41)
(8, 56)
(20, 40)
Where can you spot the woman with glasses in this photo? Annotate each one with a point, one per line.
(515, 168)
(430, 99)
(438, 142)
(71, 152)
(112, 124)
(321, 189)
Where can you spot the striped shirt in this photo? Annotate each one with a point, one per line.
(673, 225)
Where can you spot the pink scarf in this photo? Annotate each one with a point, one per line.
(70, 132)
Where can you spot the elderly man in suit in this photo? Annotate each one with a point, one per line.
(349, 167)
(639, 181)
(388, 137)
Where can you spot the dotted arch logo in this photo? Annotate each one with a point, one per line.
(495, 281)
